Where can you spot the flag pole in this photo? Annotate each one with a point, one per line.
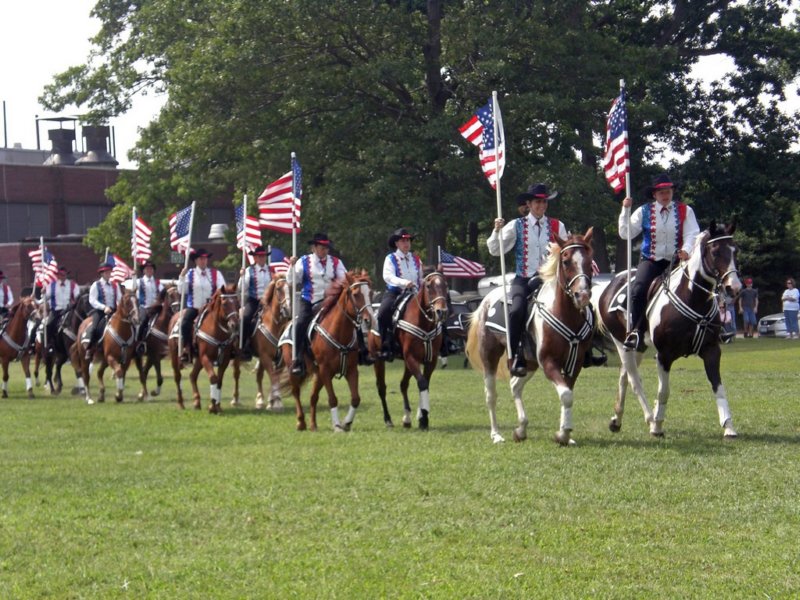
(44, 290)
(133, 252)
(439, 253)
(185, 268)
(498, 196)
(294, 253)
(628, 224)
(244, 259)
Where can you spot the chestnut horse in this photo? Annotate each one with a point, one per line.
(156, 341)
(561, 326)
(13, 338)
(217, 333)
(419, 333)
(683, 316)
(276, 312)
(334, 348)
(115, 348)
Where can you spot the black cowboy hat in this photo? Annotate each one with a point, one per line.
(62, 270)
(660, 182)
(399, 234)
(321, 239)
(536, 191)
(147, 263)
(105, 267)
(259, 251)
(199, 253)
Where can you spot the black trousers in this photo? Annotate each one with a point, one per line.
(248, 317)
(385, 314)
(189, 315)
(98, 323)
(517, 311)
(51, 325)
(148, 314)
(305, 312)
(647, 271)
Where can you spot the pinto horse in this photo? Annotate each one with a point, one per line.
(217, 332)
(13, 338)
(276, 313)
(116, 346)
(334, 348)
(683, 316)
(419, 333)
(156, 341)
(561, 326)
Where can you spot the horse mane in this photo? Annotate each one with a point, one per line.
(549, 268)
(269, 291)
(333, 292)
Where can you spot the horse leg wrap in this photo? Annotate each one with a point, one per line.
(5, 386)
(120, 384)
(425, 400)
(335, 416)
(216, 394)
(91, 368)
(28, 383)
(351, 415)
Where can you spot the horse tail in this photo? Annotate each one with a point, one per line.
(598, 319)
(472, 346)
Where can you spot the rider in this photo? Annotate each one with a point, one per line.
(60, 296)
(198, 283)
(314, 273)
(103, 296)
(668, 227)
(402, 270)
(530, 237)
(6, 297)
(148, 292)
(254, 280)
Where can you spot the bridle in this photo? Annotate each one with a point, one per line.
(567, 287)
(430, 313)
(285, 311)
(358, 317)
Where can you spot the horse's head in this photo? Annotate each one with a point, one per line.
(359, 292)
(128, 308)
(433, 297)
(277, 297)
(570, 263)
(225, 305)
(715, 256)
(172, 299)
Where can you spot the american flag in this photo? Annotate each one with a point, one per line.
(248, 232)
(455, 266)
(280, 202)
(45, 271)
(140, 242)
(179, 234)
(120, 271)
(479, 130)
(616, 161)
(278, 261)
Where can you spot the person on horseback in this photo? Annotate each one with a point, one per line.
(6, 297)
(254, 280)
(668, 227)
(314, 273)
(103, 296)
(198, 283)
(402, 270)
(530, 237)
(60, 296)
(148, 292)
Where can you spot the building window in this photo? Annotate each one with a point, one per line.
(18, 221)
(80, 218)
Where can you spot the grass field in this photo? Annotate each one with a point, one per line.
(141, 500)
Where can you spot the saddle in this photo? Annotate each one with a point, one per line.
(496, 321)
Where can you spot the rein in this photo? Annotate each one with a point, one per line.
(425, 336)
(567, 287)
(355, 321)
(222, 344)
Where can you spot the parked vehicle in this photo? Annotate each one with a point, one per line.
(772, 326)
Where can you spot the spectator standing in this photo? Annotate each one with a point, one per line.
(791, 305)
(748, 307)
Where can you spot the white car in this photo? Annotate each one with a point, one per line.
(772, 326)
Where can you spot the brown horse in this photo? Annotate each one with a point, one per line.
(156, 341)
(561, 327)
(419, 333)
(334, 348)
(13, 341)
(216, 337)
(276, 312)
(683, 319)
(117, 345)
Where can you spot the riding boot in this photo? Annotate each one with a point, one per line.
(590, 360)
(517, 365)
(364, 357)
(635, 341)
(444, 350)
(386, 353)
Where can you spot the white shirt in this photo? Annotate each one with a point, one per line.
(65, 292)
(151, 290)
(531, 254)
(110, 295)
(200, 292)
(262, 278)
(407, 266)
(317, 278)
(663, 239)
(6, 295)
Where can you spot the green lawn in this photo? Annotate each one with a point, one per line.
(141, 500)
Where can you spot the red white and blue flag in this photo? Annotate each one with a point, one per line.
(616, 160)
(179, 233)
(280, 203)
(455, 266)
(140, 242)
(479, 130)
(45, 268)
(120, 271)
(248, 232)
(278, 261)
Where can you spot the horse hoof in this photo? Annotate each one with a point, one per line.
(423, 421)
(730, 435)
(214, 408)
(339, 428)
(347, 426)
(181, 406)
(89, 401)
(30, 394)
(76, 391)
(155, 393)
(140, 397)
(614, 425)
(520, 436)
(260, 404)
(563, 438)
(118, 398)
(301, 426)
(497, 438)
(235, 402)
(53, 392)
(657, 434)
(276, 405)
(197, 405)
(5, 394)
(389, 424)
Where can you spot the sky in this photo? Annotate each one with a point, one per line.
(40, 38)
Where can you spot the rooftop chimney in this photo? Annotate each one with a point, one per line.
(97, 154)
(62, 147)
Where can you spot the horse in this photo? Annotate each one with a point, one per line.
(334, 348)
(419, 334)
(66, 334)
(13, 338)
(217, 332)
(117, 347)
(276, 313)
(683, 319)
(561, 325)
(156, 341)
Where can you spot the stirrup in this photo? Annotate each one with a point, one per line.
(631, 340)
(517, 366)
(299, 367)
(726, 337)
